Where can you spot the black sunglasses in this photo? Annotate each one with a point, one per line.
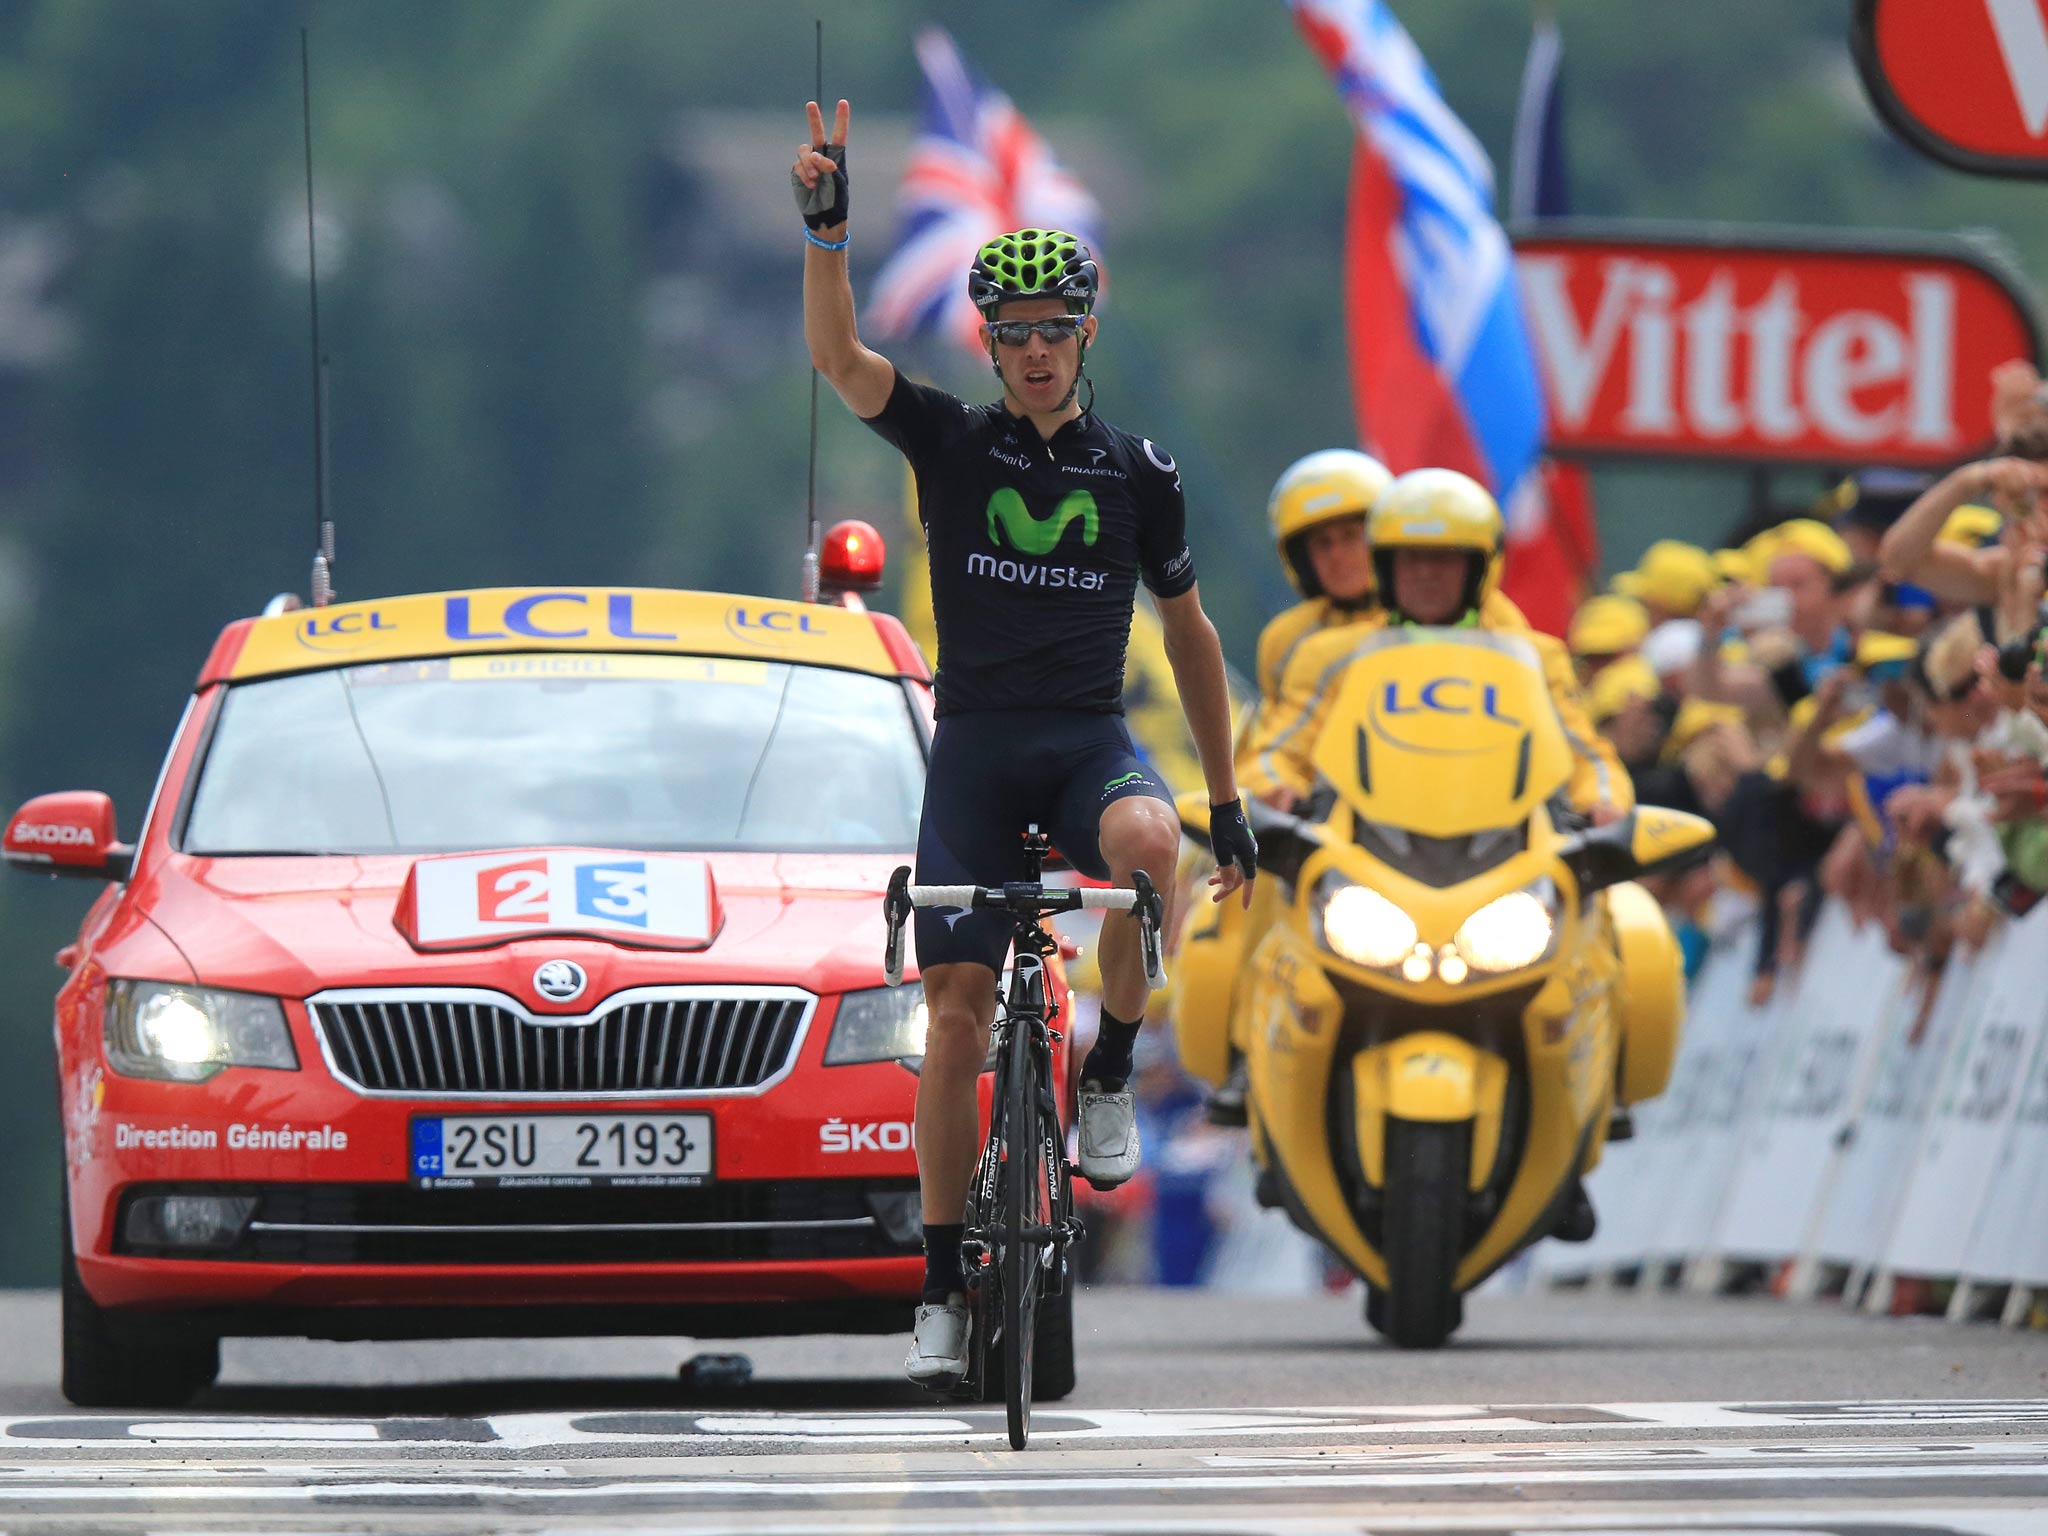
(1014, 333)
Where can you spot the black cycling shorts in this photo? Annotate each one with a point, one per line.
(994, 773)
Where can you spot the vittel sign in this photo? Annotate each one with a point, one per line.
(1719, 347)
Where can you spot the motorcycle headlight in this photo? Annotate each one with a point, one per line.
(880, 1024)
(1362, 925)
(187, 1034)
(1511, 931)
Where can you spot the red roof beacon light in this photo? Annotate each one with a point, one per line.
(851, 559)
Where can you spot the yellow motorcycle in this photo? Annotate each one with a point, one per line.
(1459, 984)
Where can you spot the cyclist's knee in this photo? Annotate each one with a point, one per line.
(959, 1006)
(1140, 833)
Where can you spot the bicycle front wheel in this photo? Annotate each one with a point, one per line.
(1027, 1215)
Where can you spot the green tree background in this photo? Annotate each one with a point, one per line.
(560, 281)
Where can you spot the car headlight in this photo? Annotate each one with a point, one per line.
(881, 1024)
(187, 1034)
(1511, 931)
(1362, 925)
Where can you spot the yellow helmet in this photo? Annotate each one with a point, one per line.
(1320, 488)
(1437, 509)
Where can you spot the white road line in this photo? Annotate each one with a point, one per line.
(428, 1490)
(542, 1432)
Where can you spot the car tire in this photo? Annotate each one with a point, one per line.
(112, 1361)
(1052, 1354)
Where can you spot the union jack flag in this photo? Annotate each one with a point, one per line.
(977, 169)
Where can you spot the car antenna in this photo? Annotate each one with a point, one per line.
(323, 526)
(810, 585)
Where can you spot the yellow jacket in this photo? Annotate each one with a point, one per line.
(1278, 642)
(1278, 754)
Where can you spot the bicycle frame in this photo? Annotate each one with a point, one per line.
(1019, 1218)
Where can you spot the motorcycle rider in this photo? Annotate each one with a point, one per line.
(1436, 538)
(1318, 511)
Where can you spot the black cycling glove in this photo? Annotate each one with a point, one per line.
(826, 202)
(1230, 835)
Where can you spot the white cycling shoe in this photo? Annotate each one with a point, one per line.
(938, 1344)
(1109, 1136)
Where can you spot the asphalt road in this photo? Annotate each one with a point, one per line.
(1196, 1412)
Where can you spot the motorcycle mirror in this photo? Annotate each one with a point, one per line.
(1285, 841)
(1650, 840)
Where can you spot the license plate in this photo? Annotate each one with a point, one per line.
(560, 1151)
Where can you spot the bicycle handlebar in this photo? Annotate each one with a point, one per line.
(1053, 899)
(1029, 901)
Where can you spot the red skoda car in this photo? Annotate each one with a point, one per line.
(496, 963)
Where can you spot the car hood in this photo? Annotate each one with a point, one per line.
(296, 926)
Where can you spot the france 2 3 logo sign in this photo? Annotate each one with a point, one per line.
(469, 899)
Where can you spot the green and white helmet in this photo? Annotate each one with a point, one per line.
(1033, 264)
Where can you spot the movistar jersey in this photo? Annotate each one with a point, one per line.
(1036, 548)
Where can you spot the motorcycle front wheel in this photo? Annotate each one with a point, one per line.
(1423, 1231)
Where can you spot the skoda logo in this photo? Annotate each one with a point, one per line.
(560, 981)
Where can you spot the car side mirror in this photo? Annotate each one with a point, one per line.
(1650, 840)
(71, 833)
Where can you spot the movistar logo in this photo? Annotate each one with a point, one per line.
(1027, 535)
(1129, 778)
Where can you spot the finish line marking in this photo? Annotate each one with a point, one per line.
(427, 1490)
(527, 1433)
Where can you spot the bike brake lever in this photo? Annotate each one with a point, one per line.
(896, 908)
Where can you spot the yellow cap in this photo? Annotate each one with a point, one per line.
(1438, 509)
(1971, 525)
(1695, 718)
(1675, 576)
(1735, 565)
(1320, 488)
(1875, 647)
(1618, 686)
(1815, 540)
(1607, 626)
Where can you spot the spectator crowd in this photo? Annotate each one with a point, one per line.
(1855, 695)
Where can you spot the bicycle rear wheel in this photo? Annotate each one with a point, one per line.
(1026, 1205)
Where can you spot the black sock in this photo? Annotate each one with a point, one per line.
(942, 1276)
(1108, 1065)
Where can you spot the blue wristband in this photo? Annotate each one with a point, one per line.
(829, 245)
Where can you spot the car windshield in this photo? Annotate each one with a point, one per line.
(480, 752)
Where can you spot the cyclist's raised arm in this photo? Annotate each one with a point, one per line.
(863, 378)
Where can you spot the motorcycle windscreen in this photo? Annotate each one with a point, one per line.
(1444, 732)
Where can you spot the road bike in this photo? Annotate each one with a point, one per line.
(1020, 1218)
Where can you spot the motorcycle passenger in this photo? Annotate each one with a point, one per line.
(1317, 511)
(1436, 539)
(1041, 519)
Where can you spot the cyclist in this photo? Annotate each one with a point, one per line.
(1436, 548)
(1041, 518)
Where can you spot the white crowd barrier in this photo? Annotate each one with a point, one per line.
(1853, 1127)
